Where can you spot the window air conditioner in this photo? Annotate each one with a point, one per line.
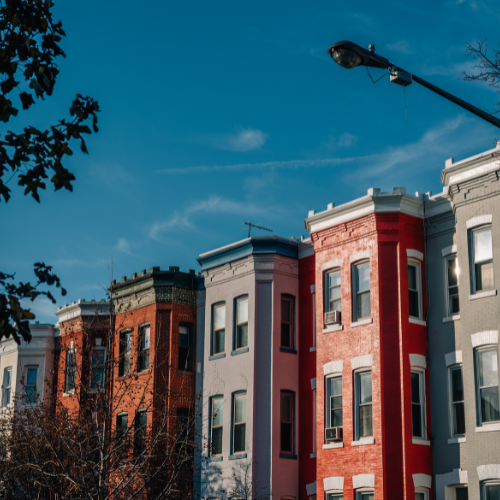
(332, 317)
(333, 434)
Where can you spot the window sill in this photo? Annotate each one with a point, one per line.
(456, 440)
(312, 349)
(454, 317)
(142, 372)
(482, 295)
(332, 446)
(286, 349)
(363, 441)
(214, 459)
(312, 455)
(361, 322)
(237, 457)
(217, 356)
(288, 455)
(489, 427)
(416, 321)
(420, 441)
(70, 393)
(243, 350)
(333, 328)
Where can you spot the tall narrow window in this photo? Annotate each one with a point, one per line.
(334, 402)
(362, 307)
(241, 322)
(452, 271)
(461, 493)
(482, 250)
(286, 413)
(239, 425)
(219, 329)
(31, 384)
(492, 492)
(70, 370)
(182, 428)
(314, 319)
(286, 322)
(97, 366)
(363, 388)
(314, 421)
(457, 401)
(143, 353)
(121, 434)
(7, 386)
(141, 422)
(417, 405)
(125, 347)
(422, 494)
(216, 427)
(487, 380)
(185, 347)
(333, 288)
(414, 293)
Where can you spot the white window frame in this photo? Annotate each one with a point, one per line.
(364, 491)
(4, 388)
(357, 389)
(477, 350)
(328, 415)
(37, 393)
(451, 403)
(212, 401)
(332, 495)
(423, 412)
(447, 259)
(425, 491)
(214, 331)
(472, 231)
(238, 324)
(418, 272)
(354, 267)
(328, 273)
(97, 348)
(451, 491)
(143, 346)
(234, 423)
(485, 484)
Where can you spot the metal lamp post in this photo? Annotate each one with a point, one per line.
(349, 55)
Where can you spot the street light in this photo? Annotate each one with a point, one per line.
(349, 55)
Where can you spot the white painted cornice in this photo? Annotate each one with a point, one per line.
(82, 308)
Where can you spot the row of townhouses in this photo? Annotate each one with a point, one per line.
(359, 363)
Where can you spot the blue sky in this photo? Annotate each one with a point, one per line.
(215, 113)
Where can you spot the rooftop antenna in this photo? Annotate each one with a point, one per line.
(256, 226)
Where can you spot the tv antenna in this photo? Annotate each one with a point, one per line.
(256, 226)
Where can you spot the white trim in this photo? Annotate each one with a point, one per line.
(331, 446)
(363, 441)
(313, 288)
(484, 338)
(333, 367)
(334, 328)
(331, 264)
(453, 358)
(423, 442)
(415, 254)
(313, 384)
(457, 440)
(422, 481)
(449, 250)
(416, 321)
(457, 477)
(454, 317)
(482, 295)
(488, 427)
(362, 322)
(490, 471)
(362, 361)
(418, 360)
(333, 483)
(311, 488)
(479, 221)
(363, 254)
(363, 481)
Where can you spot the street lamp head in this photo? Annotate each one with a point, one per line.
(349, 55)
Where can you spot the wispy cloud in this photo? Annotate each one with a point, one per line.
(454, 69)
(345, 140)
(402, 47)
(109, 174)
(124, 246)
(245, 139)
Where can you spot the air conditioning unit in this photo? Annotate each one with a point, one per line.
(333, 434)
(332, 317)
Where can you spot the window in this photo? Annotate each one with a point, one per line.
(365, 495)
(143, 354)
(125, 346)
(314, 421)
(461, 493)
(414, 294)
(482, 259)
(361, 299)
(491, 492)
(418, 404)
(31, 384)
(334, 402)
(314, 320)
(452, 272)
(333, 299)
(141, 422)
(182, 428)
(7, 386)
(219, 329)
(121, 433)
(286, 415)
(363, 395)
(457, 408)
(487, 383)
(421, 494)
(97, 366)
(216, 427)
(70, 370)
(185, 347)
(241, 322)
(334, 496)
(286, 322)
(239, 424)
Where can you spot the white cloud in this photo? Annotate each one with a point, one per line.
(175, 222)
(243, 140)
(345, 140)
(402, 47)
(124, 246)
(109, 174)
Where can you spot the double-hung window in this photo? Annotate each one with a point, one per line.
(286, 422)
(414, 289)
(334, 496)
(70, 370)
(487, 385)
(98, 359)
(452, 272)
(286, 322)
(482, 259)
(121, 434)
(216, 427)
(333, 296)
(334, 402)
(418, 404)
(361, 298)
(365, 495)
(241, 322)
(219, 328)
(491, 491)
(143, 351)
(125, 347)
(7, 387)
(363, 401)
(239, 422)
(140, 428)
(185, 347)
(457, 409)
(31, 384)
